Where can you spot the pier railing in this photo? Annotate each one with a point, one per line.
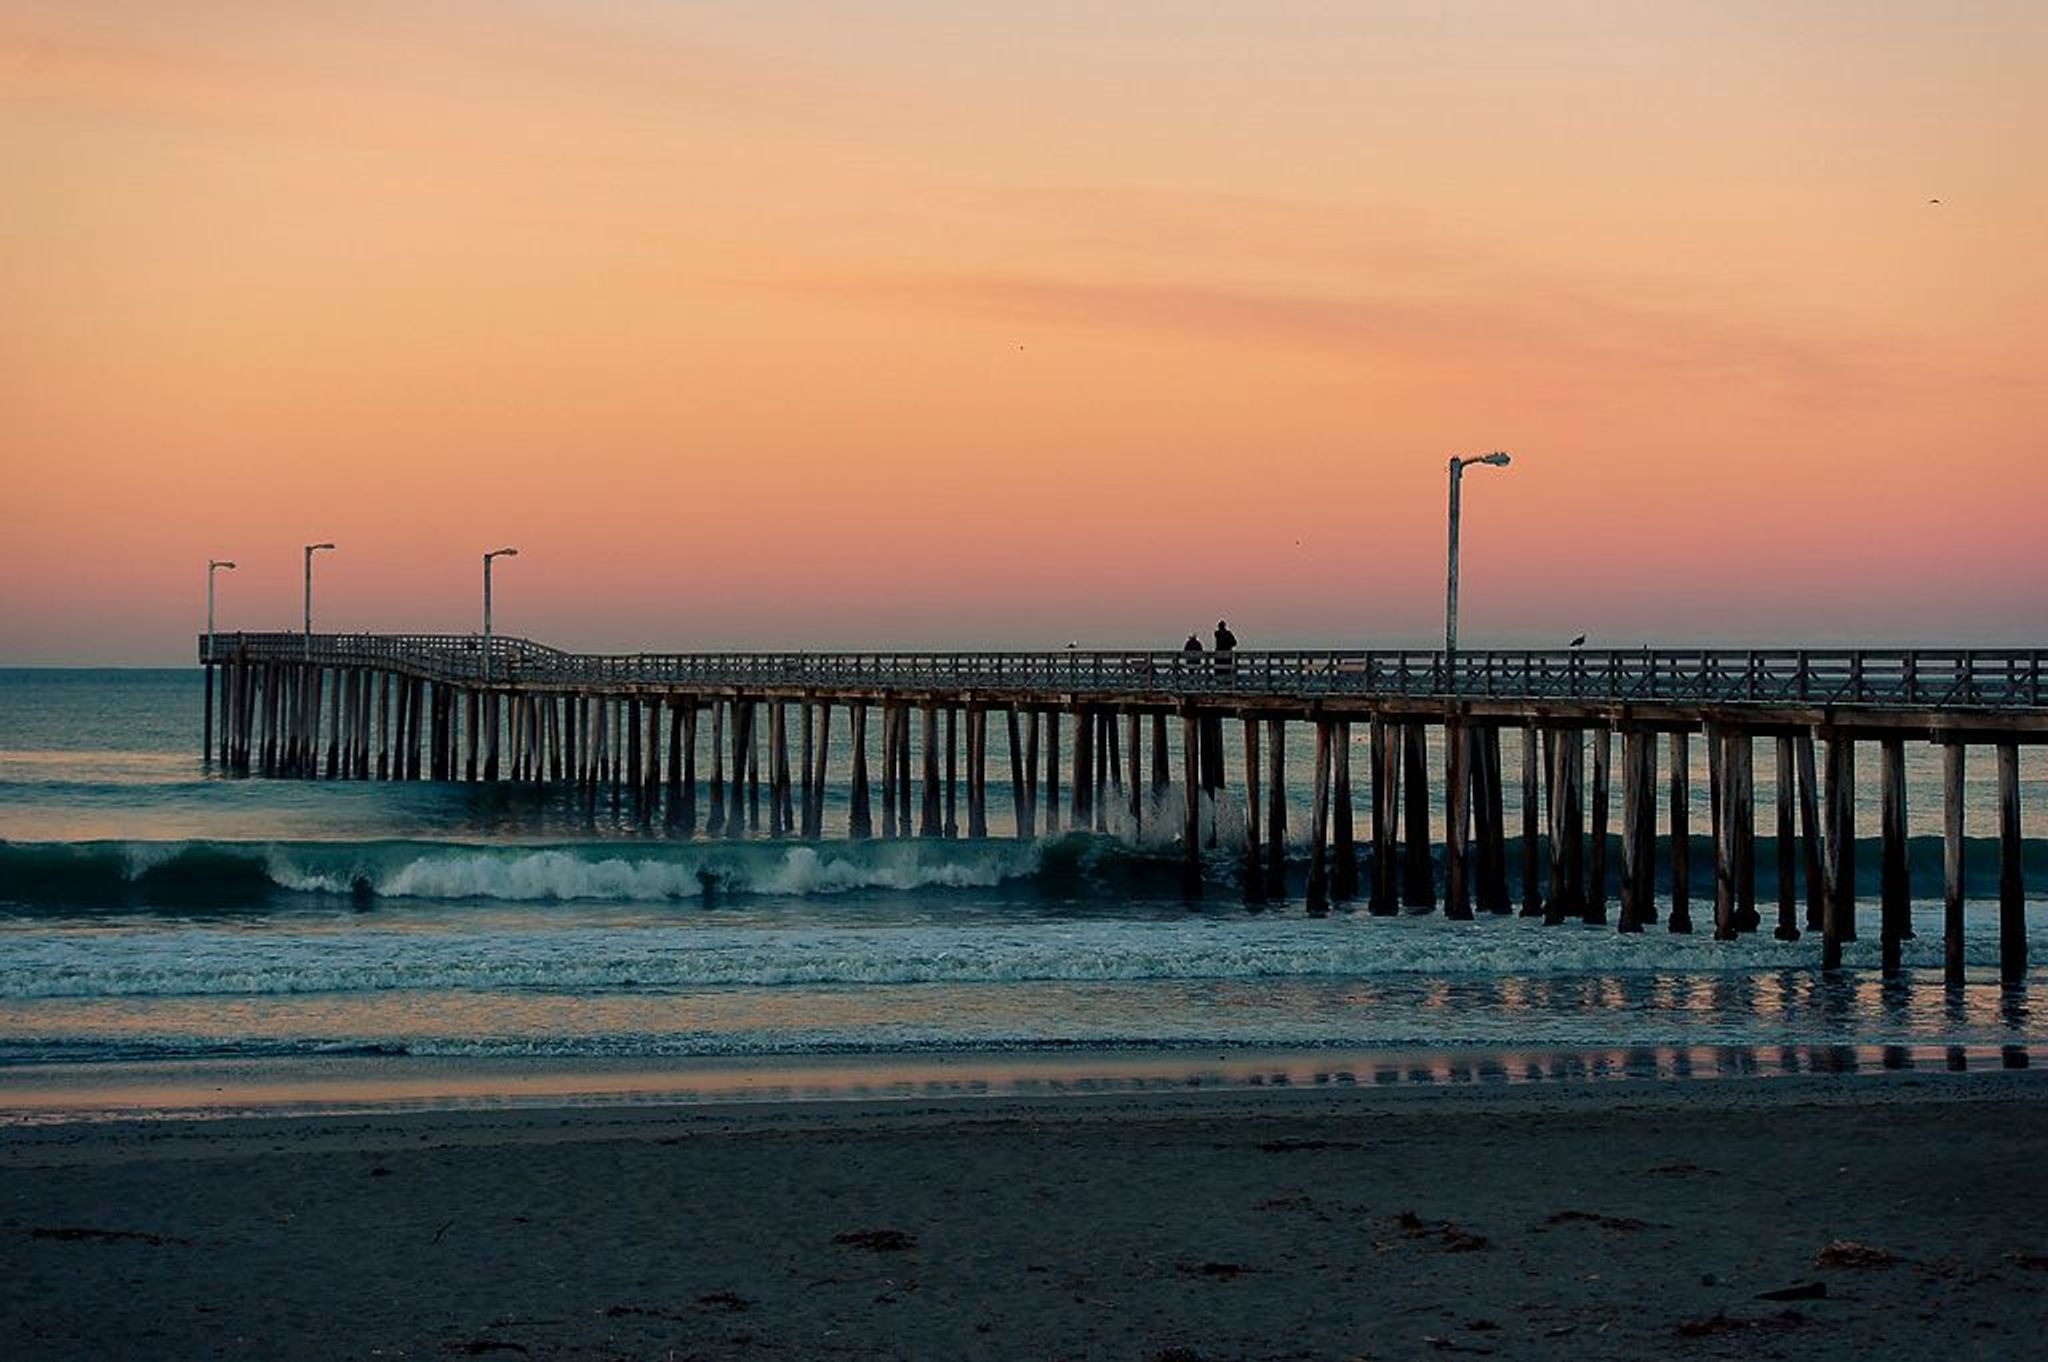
(1911, 678)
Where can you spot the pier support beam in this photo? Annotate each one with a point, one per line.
(1418, 879)
(1896, 895)
(1319, 824)
(1386, 784)
(1457, 818)
(1788, 846)
(1191, 810)
(1596, 891)
(1839, 924)
(1343, 841)
(1532, 825)
(1254, 869)
(1681, 834)
(860, 818)
(1953, 756)
(1276, 810)
(2012, 903)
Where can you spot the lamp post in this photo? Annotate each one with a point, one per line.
(206, 737)
(311, 549)
(1497, 459)
(212, 565)
(494, 553)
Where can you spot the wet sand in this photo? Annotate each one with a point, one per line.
(1595, 1220)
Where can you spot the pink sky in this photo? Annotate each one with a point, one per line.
(928, 325)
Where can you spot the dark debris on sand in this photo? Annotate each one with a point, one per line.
(1456, 1239)
(877, 1241)
(477, 1347)
(1616, 1223)
(1849, 1253)
(78, 1234)
(1721, 1323)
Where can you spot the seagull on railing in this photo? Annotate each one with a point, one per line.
(1578, 642)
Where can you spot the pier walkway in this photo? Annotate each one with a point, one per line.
(451, 707)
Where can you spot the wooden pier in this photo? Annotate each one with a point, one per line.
(642, 729)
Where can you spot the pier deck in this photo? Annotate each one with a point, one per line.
(453, 707)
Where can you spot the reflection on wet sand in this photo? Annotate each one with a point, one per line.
(218, 1089)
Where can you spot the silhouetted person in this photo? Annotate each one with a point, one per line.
(1193, 645)
(1225, 640)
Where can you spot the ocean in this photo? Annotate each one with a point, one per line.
(156, 918)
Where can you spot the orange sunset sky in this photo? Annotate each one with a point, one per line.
(929, 324)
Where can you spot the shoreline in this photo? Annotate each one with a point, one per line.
(311, 1086)
(1872, 1215)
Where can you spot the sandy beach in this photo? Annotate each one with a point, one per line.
(1879, 1215)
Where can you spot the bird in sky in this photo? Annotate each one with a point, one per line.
(1934, 200)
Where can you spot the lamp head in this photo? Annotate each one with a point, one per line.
(212, 563)
(313, 548)
(1499, 458)
(502, 553)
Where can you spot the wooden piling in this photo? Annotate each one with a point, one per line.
(1276, 810)
(1343, 844)
(1720, 807)
(1457, 817)
(928, 816)
(715, 816)
(977, 772)
(1019, 790)
(1845, 858)
(2012, 904)
(1386, 805)
(1810, 832)
(1162, 766)
(1490, 821)
(1084, 771)
(1052, 771)
(1418, 880)
(1681, 835)
(1136, 792)
(1953, 756)
(1895, 885)
(1596, 889)
(1742, 808)
(1319, 824)
(1633, 851)
(1838, 922)
(778, 769)
(821, 772)
(892, 726)
(1028, 805)
(687, 820)
(1191, 807)
(902, 776)
(1254, 869)
(1787, 843)
(860, 815)
(951, 827)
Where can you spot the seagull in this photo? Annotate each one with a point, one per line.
(1578, 642)
(1934, 200)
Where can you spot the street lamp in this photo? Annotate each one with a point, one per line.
(206, 737)
(1497, 459)
(311, 549)
(211, 565)
(494, 553)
